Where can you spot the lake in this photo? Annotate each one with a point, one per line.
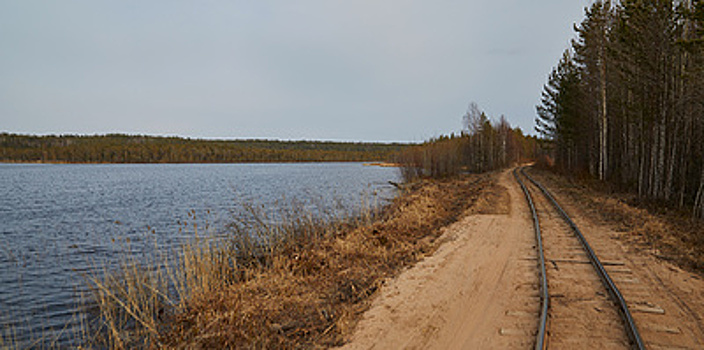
(58, 222)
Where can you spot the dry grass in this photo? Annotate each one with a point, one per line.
(672, 235)
(494, 199)
(285, 279)
(7, 337)
(19, 334)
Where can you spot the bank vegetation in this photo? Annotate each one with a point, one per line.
(280, 279)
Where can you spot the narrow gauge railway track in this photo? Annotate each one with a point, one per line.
(581, 305)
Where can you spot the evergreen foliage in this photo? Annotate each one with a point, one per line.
(626, 101)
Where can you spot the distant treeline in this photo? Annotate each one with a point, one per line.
(484, 145)
(116, 148)
(626, 101)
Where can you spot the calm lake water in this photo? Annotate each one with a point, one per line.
(59, 221)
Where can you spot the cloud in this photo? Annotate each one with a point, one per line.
(355, 70)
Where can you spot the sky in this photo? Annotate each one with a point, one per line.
(347, 70)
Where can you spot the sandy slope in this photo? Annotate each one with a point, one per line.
(479, 284)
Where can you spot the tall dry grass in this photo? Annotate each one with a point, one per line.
(134, 305)
(289, 278)
(7, 336)
(22, 333)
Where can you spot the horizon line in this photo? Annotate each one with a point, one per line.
(201, 138)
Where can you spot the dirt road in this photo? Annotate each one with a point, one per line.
(479, 289)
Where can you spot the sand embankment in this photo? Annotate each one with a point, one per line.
(479, 289)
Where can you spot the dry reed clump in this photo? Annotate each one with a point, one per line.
(674, 236)
(310, 291)
(129, 306)
(125, 306)
(301, 282)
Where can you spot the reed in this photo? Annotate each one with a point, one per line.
(125, 306)
(289, 277)
(22, 333)
(7, 337)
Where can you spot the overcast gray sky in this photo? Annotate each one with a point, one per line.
(351, 70)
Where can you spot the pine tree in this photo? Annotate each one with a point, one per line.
(629, 106)
(558, 118)
(590, 49)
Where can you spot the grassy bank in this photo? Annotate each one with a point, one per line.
(284, 279)
(672, 235)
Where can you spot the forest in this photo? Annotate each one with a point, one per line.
(116, 148)
(483, 145)
(625, 103)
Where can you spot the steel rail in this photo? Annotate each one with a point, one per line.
(631, 329)
(540, 343)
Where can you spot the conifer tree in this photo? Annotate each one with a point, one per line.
(628, 107)
(558, 118)
(591, 57)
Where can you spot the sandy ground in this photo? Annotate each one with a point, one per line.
(479, 289)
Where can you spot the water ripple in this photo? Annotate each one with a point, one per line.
(57, 222)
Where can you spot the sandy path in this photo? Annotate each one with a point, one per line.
(477, 291)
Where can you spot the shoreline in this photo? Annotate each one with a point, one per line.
(307, 290)
(383, 164)
(132, 195)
